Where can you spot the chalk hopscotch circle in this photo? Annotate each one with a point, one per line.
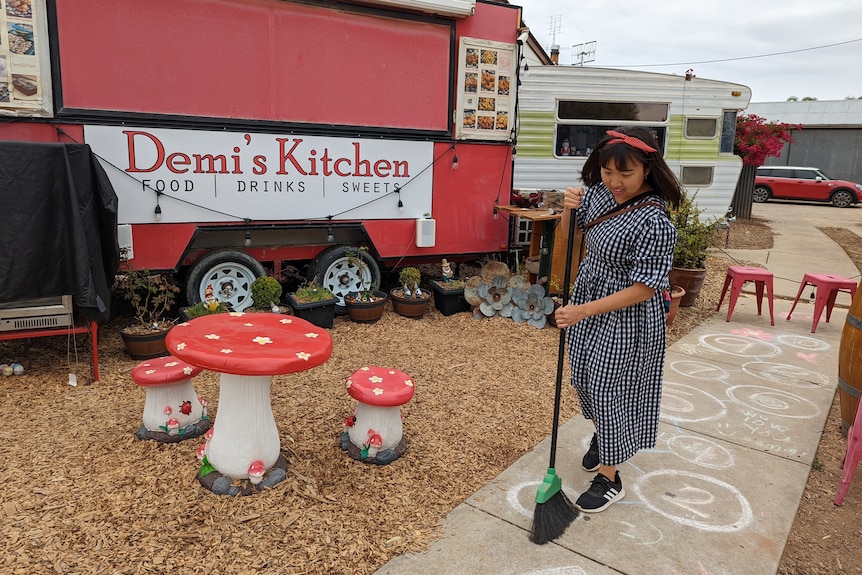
(695, 500)
(686, 404)
(773, 401)
(698, 369)
(803, 342)
(514, 500)
(739, 345)
(700, 451)
(784, 374)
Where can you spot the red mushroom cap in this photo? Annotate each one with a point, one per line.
(250, 343)
(162, 370)
(380, 386)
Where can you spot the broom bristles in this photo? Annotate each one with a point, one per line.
(551, 518)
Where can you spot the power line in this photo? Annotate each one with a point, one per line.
(740, 58)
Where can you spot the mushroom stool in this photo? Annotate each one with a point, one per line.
(828, 286)
(736, 277)
(243, 456)
(374, 432)
(172, 410)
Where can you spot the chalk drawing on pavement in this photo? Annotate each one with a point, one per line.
(739, 345)
(783, 374)
(695, 500)
(773, 401)
(687, 404)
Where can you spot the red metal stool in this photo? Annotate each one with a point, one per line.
(851, 458)
(739, 275)
(828, 286)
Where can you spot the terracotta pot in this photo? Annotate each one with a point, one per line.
(690, 280)
(676, 295)
(409, 306)
(366, 312)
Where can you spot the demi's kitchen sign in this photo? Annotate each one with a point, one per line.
(206, 176)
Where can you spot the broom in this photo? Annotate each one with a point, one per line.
(554, 512)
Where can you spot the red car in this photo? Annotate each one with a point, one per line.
(801, 183)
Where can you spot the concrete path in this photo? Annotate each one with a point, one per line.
(743, 410)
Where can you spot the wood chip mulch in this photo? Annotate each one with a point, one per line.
(83, 495)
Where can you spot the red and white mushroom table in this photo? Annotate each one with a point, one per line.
(172, 410)
(374, 433)
(247, 349)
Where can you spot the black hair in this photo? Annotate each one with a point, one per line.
(658, 174)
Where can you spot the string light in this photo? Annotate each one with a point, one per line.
(330, 237)
(247, 238)
(455, 162)
(157, 213)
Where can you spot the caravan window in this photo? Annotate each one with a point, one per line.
(697, 175)
(581, 125)
(728, 131)
(701, 128)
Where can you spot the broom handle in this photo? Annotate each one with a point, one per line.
(561, 356)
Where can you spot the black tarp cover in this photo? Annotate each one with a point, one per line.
(58, 228)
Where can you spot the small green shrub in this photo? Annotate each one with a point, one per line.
(265, 291)
(310, 293)
(694, 235)
(201, 308)
(410, 277)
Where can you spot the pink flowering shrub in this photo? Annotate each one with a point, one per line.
(757, 139)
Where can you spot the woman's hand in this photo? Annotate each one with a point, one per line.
(572, 198)
(569, 315)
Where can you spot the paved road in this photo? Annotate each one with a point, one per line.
(817, 215)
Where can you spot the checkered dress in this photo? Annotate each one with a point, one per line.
(617, 358)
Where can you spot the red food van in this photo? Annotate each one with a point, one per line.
(248, 137)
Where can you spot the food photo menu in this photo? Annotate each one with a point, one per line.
(22, 24)
(485, 90)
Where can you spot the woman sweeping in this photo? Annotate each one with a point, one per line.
(616, 319)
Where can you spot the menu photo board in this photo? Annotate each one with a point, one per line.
(486, 90)
(25, 71)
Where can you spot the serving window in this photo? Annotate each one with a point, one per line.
(580, 125)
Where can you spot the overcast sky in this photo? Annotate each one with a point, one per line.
(694, 33)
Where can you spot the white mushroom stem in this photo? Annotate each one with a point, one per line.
(244, 430)
(173, 395)
(384, 420)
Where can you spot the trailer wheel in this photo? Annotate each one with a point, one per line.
(334, 269)
(229, 272)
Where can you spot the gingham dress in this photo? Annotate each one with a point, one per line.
(617, 358)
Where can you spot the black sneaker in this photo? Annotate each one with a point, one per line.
(591, 457)
(601, 494)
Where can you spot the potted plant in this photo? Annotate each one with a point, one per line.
(676, 295)
(203, 308)
(266, 295)
(449, 296)
(410, 300)
(313, 303)
(692, 245)
(367, 304)
(151, 297)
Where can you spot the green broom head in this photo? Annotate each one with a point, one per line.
(554, 512)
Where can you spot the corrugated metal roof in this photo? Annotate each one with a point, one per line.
(844, 113)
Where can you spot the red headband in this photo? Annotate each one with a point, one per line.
(619, 138)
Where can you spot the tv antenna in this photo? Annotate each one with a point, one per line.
(582, 53)
(554, 25)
